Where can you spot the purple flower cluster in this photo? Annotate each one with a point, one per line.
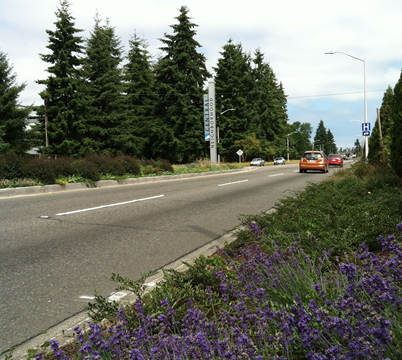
(283, 305)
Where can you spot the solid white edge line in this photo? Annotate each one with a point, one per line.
(84, 297)
(236, 182)
(275, 175)
(110, 205)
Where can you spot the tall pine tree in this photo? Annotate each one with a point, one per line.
(106, 91)
(267, 118)
(66, 105)
(139, 81)
(180, 77)
(233, 83)
(12, 116)
(320, 138)
(396, 145)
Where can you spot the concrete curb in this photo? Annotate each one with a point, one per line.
(47, 189)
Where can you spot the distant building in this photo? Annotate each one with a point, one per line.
(32, 120)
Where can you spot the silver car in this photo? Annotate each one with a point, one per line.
(279, 161)
(257, 162)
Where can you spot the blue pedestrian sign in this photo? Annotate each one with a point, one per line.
(366, 127)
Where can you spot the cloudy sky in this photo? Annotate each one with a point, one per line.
(293, 35)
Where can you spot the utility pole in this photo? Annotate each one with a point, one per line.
(381, 141)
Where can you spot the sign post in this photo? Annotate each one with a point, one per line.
(240, 153)
(212, 123)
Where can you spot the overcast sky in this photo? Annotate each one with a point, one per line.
(293, 35)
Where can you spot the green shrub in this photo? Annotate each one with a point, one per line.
(86, 169)
(106, 164)
(165, 165)
(11, 166)
(131, 165)
(63, 166)
(41, 169)
(361, 169)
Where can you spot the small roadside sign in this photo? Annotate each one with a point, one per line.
(239, 152)
(366, 133)
(365, 128)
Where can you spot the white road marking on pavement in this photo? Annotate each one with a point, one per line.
(275, 175)
(118, 295)
(104, 206)
(297, 171)
(87, 297)
(236, 182)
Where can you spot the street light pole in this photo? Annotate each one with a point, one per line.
(365, 95)
(288, 141)
(219, 157)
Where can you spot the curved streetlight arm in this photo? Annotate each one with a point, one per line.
(227, 110)
(340, 52)
(358, 121)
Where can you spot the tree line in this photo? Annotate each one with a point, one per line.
(98, 100)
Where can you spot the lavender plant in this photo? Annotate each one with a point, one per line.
(282, 305)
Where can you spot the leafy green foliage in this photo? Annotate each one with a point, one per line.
(353, 207)
(40, 168)
(86, 169)
(11, 166)
(13, 137)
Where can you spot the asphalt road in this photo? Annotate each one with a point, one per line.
(48, 265)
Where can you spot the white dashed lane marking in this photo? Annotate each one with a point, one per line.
(110, 205)
(236, 182)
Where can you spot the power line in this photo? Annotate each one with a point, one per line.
(348, 93)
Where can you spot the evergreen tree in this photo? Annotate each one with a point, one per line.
(267, 117)
(375, 153)
(66, 105)
(140, 97)
(320, 137)
(180, 77)
(396, 144)
(330, 146)
(106, 92)
(12, 117)
(233, 83)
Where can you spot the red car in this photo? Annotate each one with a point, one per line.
(335, 159)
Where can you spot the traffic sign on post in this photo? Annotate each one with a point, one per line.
(365, 127)
(240, 153)
(366, 133)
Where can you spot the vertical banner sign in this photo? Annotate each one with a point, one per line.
(212, 123)
(366, 129)
(206, 117)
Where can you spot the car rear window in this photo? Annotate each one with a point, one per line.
(334, 156)
(312, 156)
